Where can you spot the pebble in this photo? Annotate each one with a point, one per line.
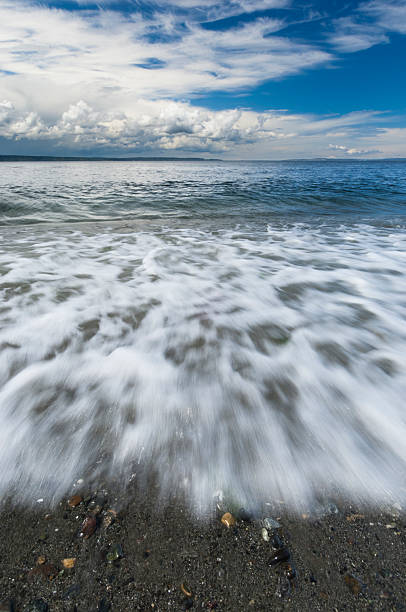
(265, 534)
(88, 527)
(228, 520)
(75, 500)
(354, 584)
(41, 560)
(188, 603)
(115, 553)
(109, 518)
(271, 523)
(69, 563)
(276, 542)
(280, 555)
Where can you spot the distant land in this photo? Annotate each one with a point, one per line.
(46, 158)
(55, 158)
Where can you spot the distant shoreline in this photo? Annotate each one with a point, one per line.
(52, 158)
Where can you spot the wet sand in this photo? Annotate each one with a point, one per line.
(156, 556)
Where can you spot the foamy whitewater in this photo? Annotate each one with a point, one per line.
(234, 348)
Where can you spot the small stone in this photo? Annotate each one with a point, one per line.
(109, 518)
(46, 570)
(69, 563)
(276, 542)
(88, 527)
(265, 534)
(41, 560)
(271, 523)
(245, 515)
(391, 526)
(188, 603)
(354, 584)
(115, 553)
(228, 520)
(280, 555)
(75, 500)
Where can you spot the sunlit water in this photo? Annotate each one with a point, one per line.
(233, 327)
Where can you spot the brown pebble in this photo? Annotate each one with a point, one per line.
(353, 584)
(69, 563)
(228, 520)
(46, 570)
(75, 501)
(41, 560)
(88, 527)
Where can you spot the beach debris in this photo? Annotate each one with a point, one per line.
(115, 553)
(88, 527)
(228, 520)
(279, 556)
(265, 534)
(185, 590)
(271, 523)
(69, 562)
(354, 584)
(38, 605)
(45, 570)
(75, 500)
(41, 560)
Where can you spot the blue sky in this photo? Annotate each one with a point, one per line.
(238, 79)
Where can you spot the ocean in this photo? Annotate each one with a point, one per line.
(233, 328)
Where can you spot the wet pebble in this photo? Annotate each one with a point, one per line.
(75, 500)
(115, 553)
(69, 563)
(276, 542)
(265, 534)
(188, 603)
(88, 527)
(279, 556)
(228, 520)
(270, 523)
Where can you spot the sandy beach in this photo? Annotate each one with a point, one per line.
(139, 553)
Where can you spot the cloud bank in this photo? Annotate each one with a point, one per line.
(112, 81)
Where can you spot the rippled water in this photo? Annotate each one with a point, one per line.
(234, 327)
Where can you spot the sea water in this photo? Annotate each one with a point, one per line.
(234, 327)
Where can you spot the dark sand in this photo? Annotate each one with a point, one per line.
(345, 560)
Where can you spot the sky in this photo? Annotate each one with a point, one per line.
(235, 79)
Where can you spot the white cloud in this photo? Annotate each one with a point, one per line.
(369, 26)
(351, 150)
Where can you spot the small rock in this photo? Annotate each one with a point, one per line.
(280, 555)
(245, 515)
(265, 534)
(228, 520)
(354, 517)
(271, 523)
(75, 500)
(115, 553)
(69, 563)
(276, 542)
(41, 560)
(354, 584)
(188, 603)
(88, 527)
(109, 518)
(46, 570)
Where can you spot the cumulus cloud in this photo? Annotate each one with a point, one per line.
(351, 150)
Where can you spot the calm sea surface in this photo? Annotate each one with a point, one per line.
(234, 327)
